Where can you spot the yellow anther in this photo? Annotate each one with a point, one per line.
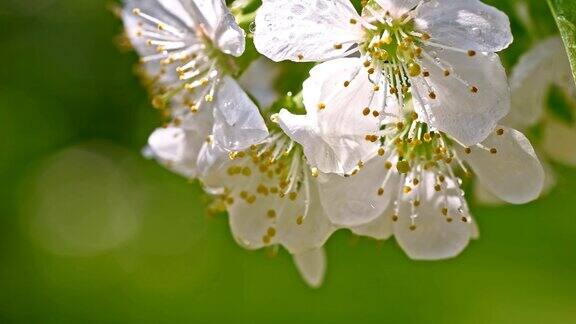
(414, 69)
(271, 213)
(315, 172)
(300, 220)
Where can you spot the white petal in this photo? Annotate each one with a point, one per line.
(541, 67)
(465, 24)
(219, 24)
(467, 114)
(174, 18)
(334, 138)
(160, 11)
(177, 149)
(259, 79)
(229, 37)
(305, 30)
(211, 161)
(514, 174)
(381, 227)
(550, 177)
(315, 228)
(485, 197)
(312, 266)
(559, 139)
(357, 200)
(237, 121)
(396, 8)
(168, 143)
(250, 222)
(436, 236)
(175, 8)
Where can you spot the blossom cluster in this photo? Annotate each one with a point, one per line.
(407, 103)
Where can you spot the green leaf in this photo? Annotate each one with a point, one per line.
(564, 12)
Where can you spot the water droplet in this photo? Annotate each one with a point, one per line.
(476, 31)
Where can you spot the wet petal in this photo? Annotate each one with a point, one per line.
(465, 24)
(261, 218)
(229, 37)
(218, 23)
(469, 100)
(334, 131)
(237, 121)
(507, 166)
(361, 198)
(396, 8)
(306, 30)
(426, 232)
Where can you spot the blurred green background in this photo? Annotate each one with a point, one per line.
(92, 232)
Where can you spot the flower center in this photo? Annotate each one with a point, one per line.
(187, 60)
(414, 152)
(276, 168)
(392, 47)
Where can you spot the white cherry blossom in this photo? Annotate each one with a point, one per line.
(412, 188)
(439, 53)
(544, 66)
(187, 49)
(272, 200)
(411, 173)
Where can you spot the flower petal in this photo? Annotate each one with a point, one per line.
(468, 103)
(512, 171)
(435, 235)
(381, 227)
(217, 21)
(175, 8)
(306, 30)
(312, 266)
(168, 143)
(485, 197)
(259, 79)
(162, 11)
(177, 149)
(313, 230)
(359, 199)
(230, 38)
(333, 133)
(396, 8)
(297, 224)
(237, 121)
(559, 139)
(541, 67)
(465, 24)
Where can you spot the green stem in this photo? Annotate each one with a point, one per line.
(244, 20)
